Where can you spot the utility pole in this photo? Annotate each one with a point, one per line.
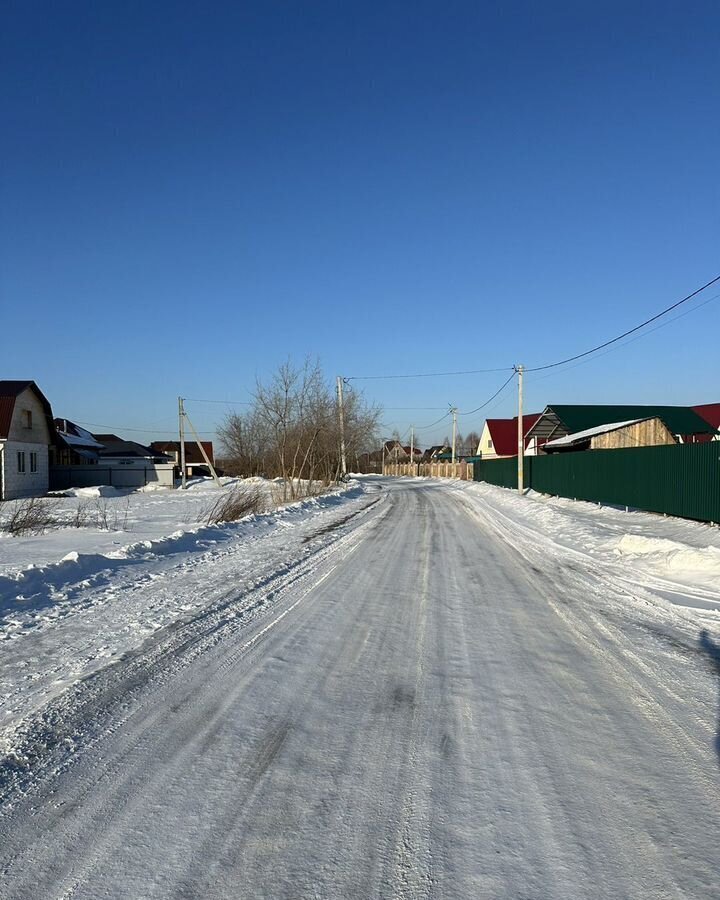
(453, 410)
(181, 416)
(202, 451)
(412, 448)
(382, 471)
(341, 414)
(521, 435)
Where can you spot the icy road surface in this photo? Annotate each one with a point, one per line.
(421, 703)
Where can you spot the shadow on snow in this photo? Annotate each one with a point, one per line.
(713, 651)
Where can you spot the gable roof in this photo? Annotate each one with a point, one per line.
(579, 437)
(75, 436)
(572, 418)
(9, 392)
(114, 447)
(192, 451)
(710, 412)
(504, 433)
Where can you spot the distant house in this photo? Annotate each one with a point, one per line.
(395, 452)
(711, 413)
(432, 454)
(26, 434)
(82, 459)
(499, 437)
(412, 452)
(650, 432)
(194, 460)
(74, 445)
(118, 452)
(561, 420)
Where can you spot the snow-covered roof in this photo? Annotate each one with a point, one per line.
(579, 436)
(75, 436)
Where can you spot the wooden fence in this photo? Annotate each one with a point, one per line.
(461, 470)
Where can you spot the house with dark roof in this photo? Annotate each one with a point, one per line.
(118, 452)
(499, 437)
(74, 446)
(27, 432)
(194, 460)
(82, 459)
(394, 452)
(432, 454)
(560, 420)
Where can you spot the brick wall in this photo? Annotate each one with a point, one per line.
(24, 484)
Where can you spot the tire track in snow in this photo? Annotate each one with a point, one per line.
(161, 665)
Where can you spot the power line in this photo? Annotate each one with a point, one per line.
(129, 428)
(552, 365)
(490, 400)
(637, 337)
(630, 331)
(425, 374)
(226, 402)
(433, 424)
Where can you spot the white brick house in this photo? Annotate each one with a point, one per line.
(26, 432)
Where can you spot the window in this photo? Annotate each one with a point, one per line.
(33, 462)
(27, 418)
(21, 461)
(489, 444)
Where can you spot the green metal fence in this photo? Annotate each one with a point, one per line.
(680, 480)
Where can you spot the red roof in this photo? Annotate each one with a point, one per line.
(710, 412)
(9, 392)
(504, 434)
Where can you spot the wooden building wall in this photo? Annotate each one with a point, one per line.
(651, 433)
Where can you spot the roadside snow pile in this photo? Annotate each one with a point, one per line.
(89, 557)
(672, 559)
(103, 490)
(676, 559)
(103, 520)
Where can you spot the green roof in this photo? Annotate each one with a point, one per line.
(679, 419)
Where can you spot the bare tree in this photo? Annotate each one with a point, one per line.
(292, 429)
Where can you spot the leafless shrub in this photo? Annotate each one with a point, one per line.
(81, 516)
(120, 515)
(33, 515)
(101, 514)
(234, 505)
(109, 517)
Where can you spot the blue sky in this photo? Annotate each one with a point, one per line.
(191, 193)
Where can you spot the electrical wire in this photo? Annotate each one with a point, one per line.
(625, 334)
(560, 362)
(424, 374)
(226, 402)
(490, 400)
(433, 424)
(129, 428)
(636, 338)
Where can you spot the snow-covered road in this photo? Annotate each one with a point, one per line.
(427, 701)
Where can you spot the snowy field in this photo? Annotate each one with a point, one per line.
(126, 517)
